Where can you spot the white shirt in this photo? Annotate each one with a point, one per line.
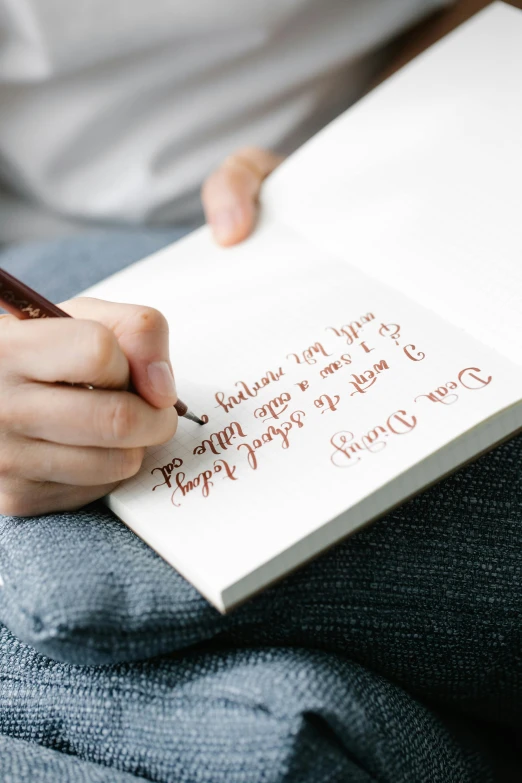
(116, 110)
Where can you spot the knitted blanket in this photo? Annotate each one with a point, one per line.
(228, 716)
(394, 657)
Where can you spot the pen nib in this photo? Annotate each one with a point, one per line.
(193, 417)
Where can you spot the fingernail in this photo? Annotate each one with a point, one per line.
(224, 224)
(161, 379)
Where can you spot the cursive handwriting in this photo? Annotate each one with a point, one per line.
(468, 378)
(166, 472)
(349, 450)
(361, 383)
(351, 331)
(309, 354)
(220, 441)
(203, 481)
(246, 391)
(333, 367)
(325, 403)
(274, 408)
(279, 434)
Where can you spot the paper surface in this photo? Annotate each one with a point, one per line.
(418, 185)
(320, 387)
(360, 337)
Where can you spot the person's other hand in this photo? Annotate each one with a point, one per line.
(62, 446)
(230, 194)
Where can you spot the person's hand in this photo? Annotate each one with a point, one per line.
(230, 194)
(63, 446)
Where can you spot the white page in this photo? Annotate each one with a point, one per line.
(420, 183)
(238, 315)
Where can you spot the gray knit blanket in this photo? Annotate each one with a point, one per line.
(394, 657)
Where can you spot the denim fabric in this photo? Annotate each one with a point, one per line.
(428, 598)
(64, 267)
(239, 716)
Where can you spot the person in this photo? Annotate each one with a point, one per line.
(117, 124)
(396, 656)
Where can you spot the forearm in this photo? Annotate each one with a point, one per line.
(419, 38)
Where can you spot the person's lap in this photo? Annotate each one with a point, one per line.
(231, 716)
(428, 597)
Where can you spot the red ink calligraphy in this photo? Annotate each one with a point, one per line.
(392, 331)
(246, 391)
(470, 380)
(442, 394)
(203, 481)
(308, 356)
(349, 450)
(325, 403)
(166, 472)
(362, 382)
(274, 408)
(333, 367)
(351, 331)
(467, 378)
(277, 434)
(220, 441)
(417, 357)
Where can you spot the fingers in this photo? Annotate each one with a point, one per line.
(54, 350)
(143, 336)
(62, 446)
(230, 194)
(79, 417)
(34, 498)
(101, 345)
(41, 462)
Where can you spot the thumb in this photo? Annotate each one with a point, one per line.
(143, 336)
(230, 194)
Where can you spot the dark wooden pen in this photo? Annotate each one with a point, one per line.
(24, 303)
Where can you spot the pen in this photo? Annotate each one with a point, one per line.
(24, 303)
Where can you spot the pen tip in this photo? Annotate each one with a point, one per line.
(193, 417)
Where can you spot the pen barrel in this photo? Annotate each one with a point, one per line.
(21, 301)
(181, 408)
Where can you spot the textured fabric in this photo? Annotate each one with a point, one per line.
(412, 667)
(64, 267)
(429, 596)
(117, 111)
(239, 717)
(26, 762)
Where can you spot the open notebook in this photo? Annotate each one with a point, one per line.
(364, 343)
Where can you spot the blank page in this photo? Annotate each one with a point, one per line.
(420, 184)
